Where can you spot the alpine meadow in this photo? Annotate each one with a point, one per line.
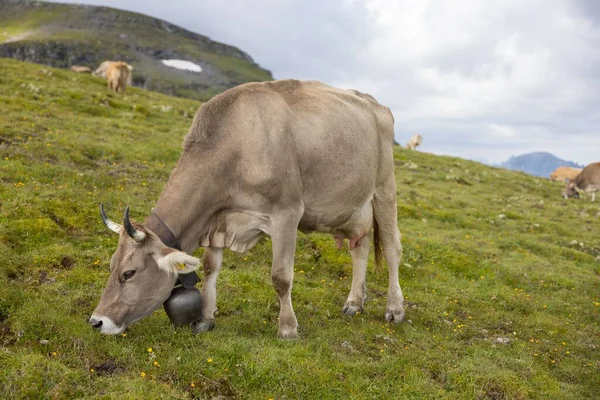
(501, 275)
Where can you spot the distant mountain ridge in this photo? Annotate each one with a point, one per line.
(61, 35)
(538, 163)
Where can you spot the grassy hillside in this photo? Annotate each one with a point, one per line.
(61, 35)
(501, 274)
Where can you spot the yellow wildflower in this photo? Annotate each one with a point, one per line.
(209, 360)
(149, 350)
(156, 364)
(142, 374)
(192, 384)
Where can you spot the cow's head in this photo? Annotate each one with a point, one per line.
(143, 271)
(570, 190)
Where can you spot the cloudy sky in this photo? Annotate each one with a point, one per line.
(478, 79)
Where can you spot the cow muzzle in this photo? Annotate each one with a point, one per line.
(106, 325)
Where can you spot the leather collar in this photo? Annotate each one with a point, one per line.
(156, 225)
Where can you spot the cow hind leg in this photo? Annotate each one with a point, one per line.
(283, 235)
(357, 296)
(212, 261)
(386, 216)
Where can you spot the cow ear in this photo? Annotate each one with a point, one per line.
(177, 262)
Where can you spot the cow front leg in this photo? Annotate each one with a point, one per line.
(213, 259)
(282, 272)
(357, 296)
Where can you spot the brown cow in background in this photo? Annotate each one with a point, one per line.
(117, 75)
(587, 181)
(563, 174)
(103, 68)
(81, 69)
(414, 142)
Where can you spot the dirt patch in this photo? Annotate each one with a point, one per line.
(505, 327)
(214, 389)
(8, 336)
(492, 391)
(44, 279)
(438, 376)
(13, 275)
(67, 262)
(107, 368)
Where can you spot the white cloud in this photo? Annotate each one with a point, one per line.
(478, 79)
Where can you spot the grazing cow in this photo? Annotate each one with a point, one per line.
(563, 174)
(103, 68)
(117, 75)
(81, 69)
(414, 142)
(264, 158)
(587, 181)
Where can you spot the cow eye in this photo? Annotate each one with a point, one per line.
(128, 274)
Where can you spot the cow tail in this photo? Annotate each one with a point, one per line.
(377, 247)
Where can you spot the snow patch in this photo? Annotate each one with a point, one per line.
(183, 65)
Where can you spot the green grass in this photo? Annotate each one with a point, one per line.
(488, 254)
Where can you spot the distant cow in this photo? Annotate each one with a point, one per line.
(414, 142)
(103, 68)
(565, 173)
(587, 181)
(81, 69)
(117, 75)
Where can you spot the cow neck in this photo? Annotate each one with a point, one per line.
(191, 197)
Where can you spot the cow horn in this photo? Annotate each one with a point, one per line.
(138, 236)
(113, 226)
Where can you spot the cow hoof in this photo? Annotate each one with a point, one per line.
(394, 315)
(287, 334)
(350, 309)
(204, 326)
